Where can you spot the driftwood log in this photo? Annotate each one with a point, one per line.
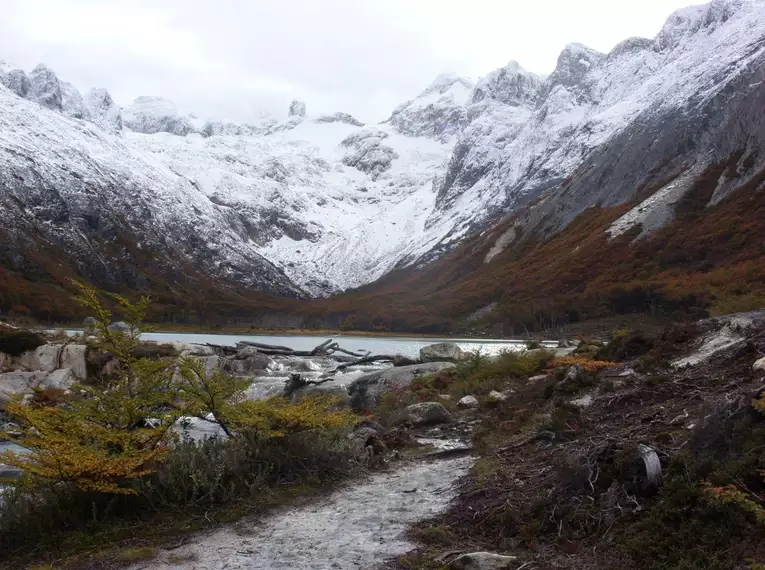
(365, 360)
(327, 348)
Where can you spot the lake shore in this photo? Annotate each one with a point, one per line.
(244, 330)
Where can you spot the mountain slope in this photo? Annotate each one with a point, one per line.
(79, 189)
(315, 205)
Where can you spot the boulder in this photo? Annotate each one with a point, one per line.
(62, 379)
(212, 364)
(468, 403)
(74, 357)
(27, 361)
(49, 356)
(495, 396)
(366, 391)
(538, 378)
(45, 358)
(367, 446)
(759, 366)
(427, 413)
(186, 349)
(246, 352)
(482, 561)
(119, 326)
(246, 365)
(442, 352)
(12, 383)
(401, 360)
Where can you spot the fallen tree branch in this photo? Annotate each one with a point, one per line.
(364, 360)
(326, 348)
(260, 345)
(222, 350)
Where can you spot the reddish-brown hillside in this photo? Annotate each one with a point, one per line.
(710, 258)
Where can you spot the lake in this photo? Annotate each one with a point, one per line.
(409, 346)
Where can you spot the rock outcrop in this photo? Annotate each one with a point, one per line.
(468, 403)
(426, 413)
(151, 115)
(483, 561)
(45, 88)
(438, 112)
(366, 392)
(48, 366)
(442, 352)
(367, 152)
(340, 118)
(297, 109)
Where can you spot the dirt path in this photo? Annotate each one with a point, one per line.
(353, 528)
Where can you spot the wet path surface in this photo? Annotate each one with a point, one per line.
(355, 527)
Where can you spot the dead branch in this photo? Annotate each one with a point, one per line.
(365, 360)
(326, 348)
(221, 350)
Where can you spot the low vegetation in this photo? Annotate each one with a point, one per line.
(477, 376)
(109, 463)
(560, 483)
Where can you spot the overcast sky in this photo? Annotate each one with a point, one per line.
(239, 58)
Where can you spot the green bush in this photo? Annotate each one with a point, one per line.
(625, 345)
(684, 531)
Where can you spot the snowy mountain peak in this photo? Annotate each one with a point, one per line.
(346, 118)
(45, 87)
(151, 115)
(511, 85)
(689, 21)
(103, 110)
(438, 112)
(447, 82)
(297, 109)
(574, 63)
(14, 79)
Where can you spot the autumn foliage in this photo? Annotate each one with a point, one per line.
(105, 435)
(586, 364)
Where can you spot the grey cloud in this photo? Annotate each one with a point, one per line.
(239, 58)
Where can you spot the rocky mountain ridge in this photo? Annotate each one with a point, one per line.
(314, 205)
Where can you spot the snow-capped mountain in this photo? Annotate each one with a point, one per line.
(314, 205)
